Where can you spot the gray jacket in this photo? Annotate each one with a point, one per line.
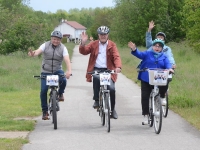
(52, 58)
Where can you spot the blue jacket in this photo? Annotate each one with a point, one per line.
(150, 61)
(166, 49)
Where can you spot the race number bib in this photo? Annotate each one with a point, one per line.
(52, 80)
(105, 79)
(160, 77)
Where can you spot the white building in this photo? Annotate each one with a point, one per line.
(71, 29)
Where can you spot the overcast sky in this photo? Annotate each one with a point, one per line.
(54, 5)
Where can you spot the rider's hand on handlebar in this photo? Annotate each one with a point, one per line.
(117, 70)
(171, 70)
(68, 74)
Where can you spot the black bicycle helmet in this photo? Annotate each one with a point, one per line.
(56, 34)
(159, 41)
(103, 30)
(162, 34)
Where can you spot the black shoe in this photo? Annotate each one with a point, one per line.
(96, 104)
(114, 114)
(45, 115)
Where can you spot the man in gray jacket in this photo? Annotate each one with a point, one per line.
(54, 52)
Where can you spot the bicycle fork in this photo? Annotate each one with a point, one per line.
(106, 102)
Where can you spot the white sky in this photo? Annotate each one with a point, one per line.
(54, 5)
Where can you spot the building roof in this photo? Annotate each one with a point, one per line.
(75, 25)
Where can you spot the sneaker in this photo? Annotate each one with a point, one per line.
(145, 120)
(61, 98)
(114, 114)
(45, 115)
(164, 102)
(96, 104)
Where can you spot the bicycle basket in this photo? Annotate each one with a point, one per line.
(158, 77)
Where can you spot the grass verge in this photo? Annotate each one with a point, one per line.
(12, 144)
(19, 94)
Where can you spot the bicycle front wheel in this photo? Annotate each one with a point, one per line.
(166, 107)
(150, 119)
(157, 114)
(101, 111)
(54, 111)
(107, 111)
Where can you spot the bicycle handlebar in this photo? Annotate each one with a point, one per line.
(44, 76)
(146, 69)
(102, 71)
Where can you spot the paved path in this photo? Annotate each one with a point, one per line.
(79, 126)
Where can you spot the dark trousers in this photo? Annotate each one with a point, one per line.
(44, 88)
(96, 89)
(145, 94)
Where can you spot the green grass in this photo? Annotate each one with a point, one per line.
(12, 144)
(19, 93)
(184, 96)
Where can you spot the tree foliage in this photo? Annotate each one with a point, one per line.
(22, 27)
(191, 13)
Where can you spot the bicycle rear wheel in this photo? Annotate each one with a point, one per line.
(157, 114)
(54, 111)
(107, 111)
(166, 107)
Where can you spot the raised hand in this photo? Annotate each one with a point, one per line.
(31, 53)
(132, 46)
(84, 38)
(151, 26)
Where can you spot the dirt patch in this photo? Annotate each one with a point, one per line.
(13, 134)
(25, 118)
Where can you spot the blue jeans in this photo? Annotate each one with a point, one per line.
(44, 88)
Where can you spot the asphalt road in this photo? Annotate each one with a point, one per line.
(79, 126)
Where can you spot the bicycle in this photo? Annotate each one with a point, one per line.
(155, 104)
(104, 96)
(53, 104)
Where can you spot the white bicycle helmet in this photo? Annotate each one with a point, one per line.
(103, 30)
